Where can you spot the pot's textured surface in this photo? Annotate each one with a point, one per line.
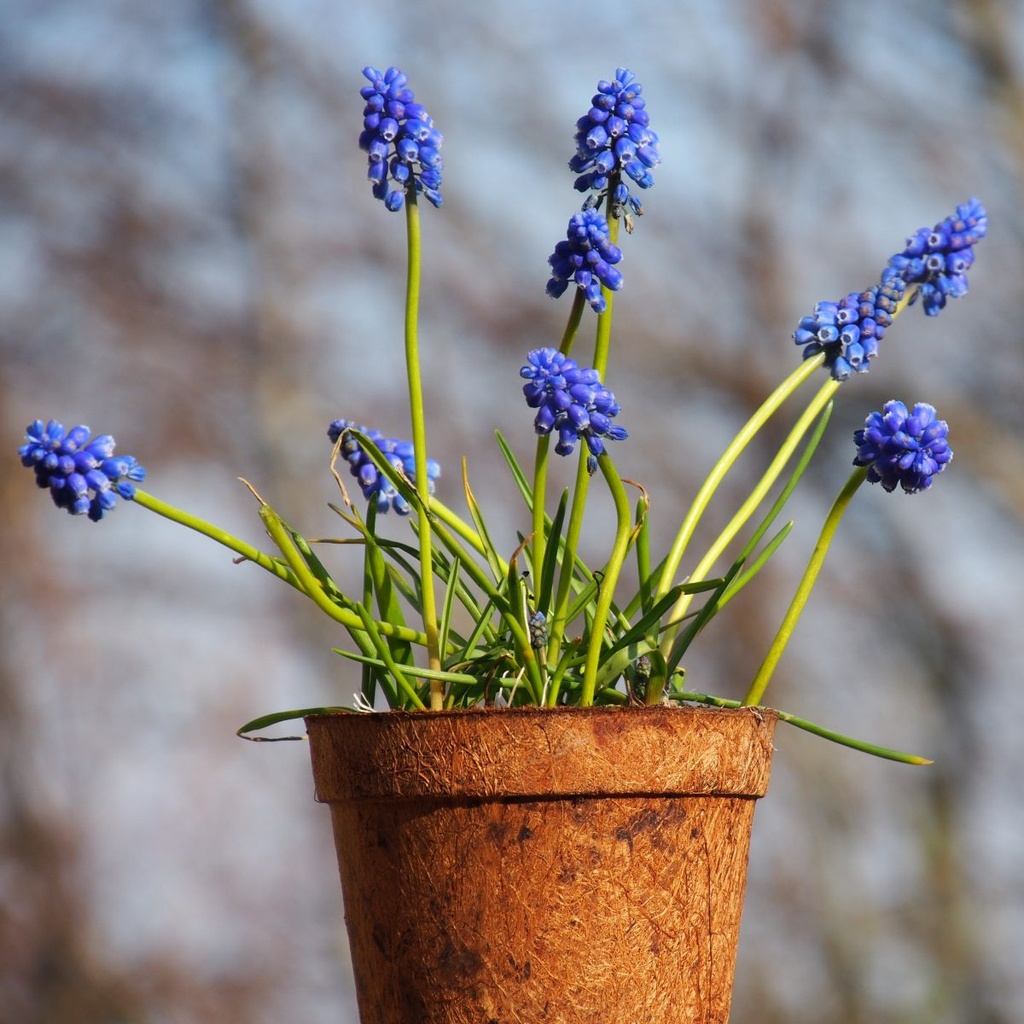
(524, 865)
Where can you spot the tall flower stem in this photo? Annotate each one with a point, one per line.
(540, 463)
(557, 623)
(606, 593)
(803, 591)
(707, 490)
(419, 443)
(800, 428)
(603, 338)
(252, 554)
(283, 570)
(602, 343)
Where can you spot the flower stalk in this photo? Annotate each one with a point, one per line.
(419, 440)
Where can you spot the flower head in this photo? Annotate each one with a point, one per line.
(848, 331)
(375, 486)
(401, 140)
(84, 476)
(571, 401)
(903, 448)
(586, 256)
(935, 261)
(613, 139)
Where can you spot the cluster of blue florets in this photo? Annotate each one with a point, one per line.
(848, 331)
(613, 139)
(587, 257)
(901, 448)
(375, 485)
(936, 260)
(401, 140)
(84, 476)
(933, 266)
(570, 401)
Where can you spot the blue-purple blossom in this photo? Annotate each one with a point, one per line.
(375, 485)
(538, 630)
(614, 139)
(84, 475)
(571, 402)
(848, 331)
(587, 257)
(401, 140)
(901, 448)
(935, 261)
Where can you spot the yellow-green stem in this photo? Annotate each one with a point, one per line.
(419, 442)
(176, 515)
(558, 622)
(746, 510)
(312, 588)
(725, 463)
(540, 462)
(606, 592)
(803, 591)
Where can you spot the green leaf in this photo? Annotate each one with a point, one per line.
(444, 627)
(802, 723)
(756, 566)
(425, 673)
(517, 473)
(490, 552)
(265, 721)
(546, 584)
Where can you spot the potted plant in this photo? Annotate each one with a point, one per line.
(537, 817)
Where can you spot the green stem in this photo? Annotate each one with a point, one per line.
(602, 344)
(308, 584)
(746, 510)
(579, 304)
(606, 592)
(419, 442)
(603, 339)
(803, 591)
(707, 490)
(538, 511)
(558, 623)
(541, 458)
(176, 515)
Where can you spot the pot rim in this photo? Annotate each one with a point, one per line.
(541, 753)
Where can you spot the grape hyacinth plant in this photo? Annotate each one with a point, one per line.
(453, 617)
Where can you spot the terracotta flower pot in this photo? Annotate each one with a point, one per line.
(525, 865)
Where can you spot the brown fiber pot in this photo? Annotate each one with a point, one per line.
(526, 865)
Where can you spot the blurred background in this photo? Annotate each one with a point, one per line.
(190, 259)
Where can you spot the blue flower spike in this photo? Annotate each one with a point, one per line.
(614, 140)
(571, 402)
(936, 260)
(903, 449)
(586, 257)
(375, 486)
(84, 475)
(401, 140)
(848, 331)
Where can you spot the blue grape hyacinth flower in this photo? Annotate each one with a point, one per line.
(375, 486)
(587, 257)
(901, 448)
(936, 260)
(848, 331)
(614, 137)
(84, 475)
(400, 138)
(570, 401)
